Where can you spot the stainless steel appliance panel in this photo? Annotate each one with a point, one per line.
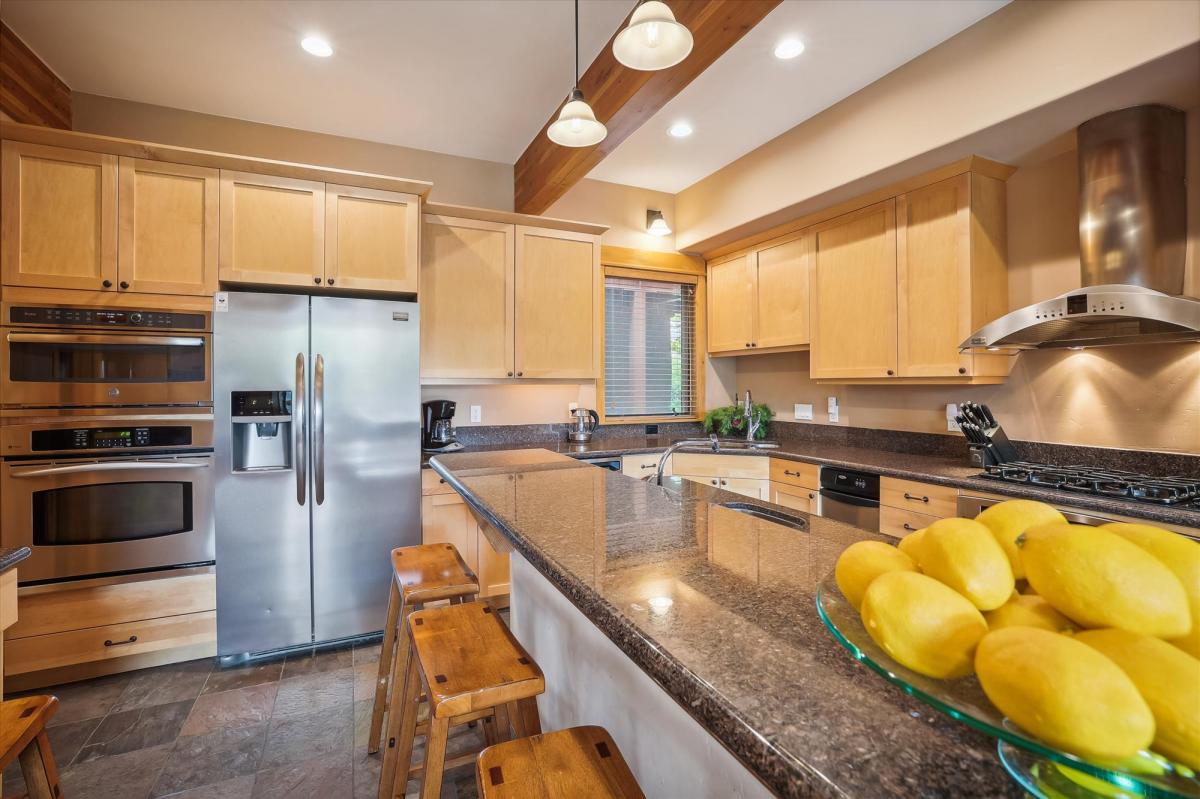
(264, 599)
(366, 450)
(853, 510)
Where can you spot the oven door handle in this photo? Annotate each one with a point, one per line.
(105, 467)
(80, 338)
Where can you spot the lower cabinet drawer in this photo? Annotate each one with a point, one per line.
(801, 475)
(897, 522)
(643, 465)
(110, 641)
(434, 483)
(701, 465)
(936, 500)
(789, 496)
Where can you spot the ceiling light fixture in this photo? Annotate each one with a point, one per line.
(653, 39)
(656, 224)
(576, 125)
(789, 48)
(680, 130)
(317, 46)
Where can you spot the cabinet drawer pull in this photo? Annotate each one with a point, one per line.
(909, 527)
(132, 639)
(790, 473)
(913, 497)
(649, 466)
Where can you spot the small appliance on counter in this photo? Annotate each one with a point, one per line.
(583, 423)
(437, 428)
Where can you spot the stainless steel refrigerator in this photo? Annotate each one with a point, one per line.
(317, 406)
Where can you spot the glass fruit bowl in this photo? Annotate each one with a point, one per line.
(1147, 774)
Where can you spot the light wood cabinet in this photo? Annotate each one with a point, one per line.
(642, 465)
(790, 496)
(446, 519)
(504, 300)
(951, 275)
(272, 230)
(760, 300)
(371, 239)
(556, 303)
(169, 229)
(898, 523)
(854, 309)
(936, 500)
(58, 220)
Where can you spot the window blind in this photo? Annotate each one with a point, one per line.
(649, 342)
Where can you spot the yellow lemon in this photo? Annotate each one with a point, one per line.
(922, 624)
(1096, 578)
(1167, 678)
(1008, 519)
(909, 544)
(1181, 555)
(1064, 692)
(963, 554)
(862, 562)
(1027, 611)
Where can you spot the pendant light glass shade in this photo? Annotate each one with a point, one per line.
(576, 125)
(656, 224)
(653, 39)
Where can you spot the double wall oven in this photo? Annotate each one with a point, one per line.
(106, 439)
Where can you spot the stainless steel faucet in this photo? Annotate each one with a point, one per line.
(713, 443)
(748, 412)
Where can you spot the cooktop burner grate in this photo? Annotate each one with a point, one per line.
(1103, 482)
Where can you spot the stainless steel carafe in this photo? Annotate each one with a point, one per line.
(583, 424)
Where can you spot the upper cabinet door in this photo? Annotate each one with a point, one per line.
(854, 315)
(168, 227)
(933, 263)
(782, 290)
(371, 239)
(272, 230)
(467, 279)
(557, 303)
(59, 217)
(731, 304)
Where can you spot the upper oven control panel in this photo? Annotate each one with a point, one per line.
(110, 438)
(107, 317)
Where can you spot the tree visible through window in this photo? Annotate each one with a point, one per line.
(649, 340)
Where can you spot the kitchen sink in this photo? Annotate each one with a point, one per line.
(767, 514)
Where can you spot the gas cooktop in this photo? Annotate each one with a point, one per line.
(1174, 491)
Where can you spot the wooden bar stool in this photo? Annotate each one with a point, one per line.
(469, 665)
(23, 735)
(420, 574)
(576, 763)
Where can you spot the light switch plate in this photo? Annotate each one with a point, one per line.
(476, 414)
(833, 410)
(803, 413)
(951, 412)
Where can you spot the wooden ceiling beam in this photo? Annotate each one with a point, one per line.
(623, 98)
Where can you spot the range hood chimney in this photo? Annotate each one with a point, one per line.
(1132, 244)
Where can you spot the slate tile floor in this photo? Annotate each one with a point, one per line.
(295, 728)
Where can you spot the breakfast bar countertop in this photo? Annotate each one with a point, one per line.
(741, 648)
(12, 556)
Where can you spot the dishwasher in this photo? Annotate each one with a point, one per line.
(851, 497)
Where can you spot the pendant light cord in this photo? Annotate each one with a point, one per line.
(576, 44)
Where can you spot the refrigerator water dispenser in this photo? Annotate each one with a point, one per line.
(261, 431)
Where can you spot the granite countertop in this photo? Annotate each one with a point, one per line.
(925, 468)
(741, 648)
(11, 557)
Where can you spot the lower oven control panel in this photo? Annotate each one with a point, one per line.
(110, 438)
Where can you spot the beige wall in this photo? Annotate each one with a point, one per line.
(622, 208)
(1143, 397)
(514, 403)
(466, 181)
(1025, 57)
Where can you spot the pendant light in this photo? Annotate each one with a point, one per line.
(653, 39)
(576, 125)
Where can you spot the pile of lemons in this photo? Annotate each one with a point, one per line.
(1087, 637)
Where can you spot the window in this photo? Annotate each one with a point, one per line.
(649, 345)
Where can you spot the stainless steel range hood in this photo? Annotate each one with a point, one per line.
(1132, 242)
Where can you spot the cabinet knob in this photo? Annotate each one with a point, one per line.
(753, 343)
(330, 281)
(747, 343)
(962, 370)
(811, 495)
(124, 285)
(510, 374)
(714, 482)
(890, 373)
(317, 280)
(107, 284)
(520, 374)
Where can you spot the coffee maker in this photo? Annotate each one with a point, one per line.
(437, 432)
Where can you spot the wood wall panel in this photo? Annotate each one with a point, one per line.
(29, 91)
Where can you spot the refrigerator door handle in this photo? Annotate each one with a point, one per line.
(299, 430)
(319, 430)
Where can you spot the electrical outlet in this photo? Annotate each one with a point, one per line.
(833, 410)
(951, 412)
(803, 413)
(476, 414)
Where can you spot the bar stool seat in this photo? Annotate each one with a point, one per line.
(576, 763)
(420, 574)
(23, 736)
(469, 665)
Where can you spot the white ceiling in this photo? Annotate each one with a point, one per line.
(467, 77)
(749, 97)
(476, 78)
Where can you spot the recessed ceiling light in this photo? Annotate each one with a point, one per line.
(789, 48)
(680, 130)
(316, 46)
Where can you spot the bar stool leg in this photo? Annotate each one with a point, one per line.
(387, 652)
(39, 770)
(525, 718)
(404, 701)
(435, 758)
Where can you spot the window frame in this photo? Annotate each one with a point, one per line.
(699, 334)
